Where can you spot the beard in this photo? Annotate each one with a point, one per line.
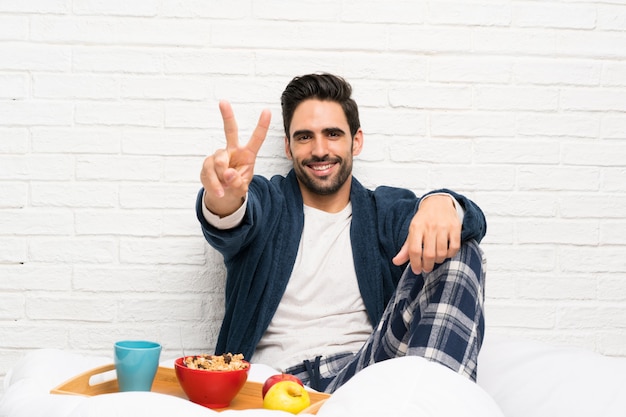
(325, 185)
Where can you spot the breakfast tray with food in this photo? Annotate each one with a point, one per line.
(166, 382)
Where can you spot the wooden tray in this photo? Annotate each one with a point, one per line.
(165, 382)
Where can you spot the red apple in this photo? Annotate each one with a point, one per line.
(269, 382)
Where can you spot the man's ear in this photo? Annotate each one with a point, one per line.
(357, 142)
(287, 148)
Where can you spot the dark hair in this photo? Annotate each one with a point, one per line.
(321, 87)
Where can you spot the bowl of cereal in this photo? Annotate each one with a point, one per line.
(212, 380)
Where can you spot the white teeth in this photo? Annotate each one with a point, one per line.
(321, 167)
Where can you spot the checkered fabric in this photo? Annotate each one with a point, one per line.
(438, 315)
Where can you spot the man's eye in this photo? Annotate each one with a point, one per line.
(303, 137)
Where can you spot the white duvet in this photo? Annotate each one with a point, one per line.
(516, 378)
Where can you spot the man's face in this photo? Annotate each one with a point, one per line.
(321, 147)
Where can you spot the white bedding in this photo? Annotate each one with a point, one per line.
(516, 378)
(532, 379)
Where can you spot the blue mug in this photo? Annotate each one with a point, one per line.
(136, 364)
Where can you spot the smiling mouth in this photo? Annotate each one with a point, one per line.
(320, 167)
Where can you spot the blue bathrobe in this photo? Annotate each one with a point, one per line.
(260, 253)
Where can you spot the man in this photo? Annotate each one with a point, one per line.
(317, 277)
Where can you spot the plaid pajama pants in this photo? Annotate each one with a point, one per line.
(437, 315)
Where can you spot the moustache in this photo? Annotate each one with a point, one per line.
(317, 159)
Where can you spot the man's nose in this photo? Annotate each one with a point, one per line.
(320, 147)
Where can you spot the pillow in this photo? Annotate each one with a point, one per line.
(528, 378)
(409, 386)
(52, 367)
(28, 383)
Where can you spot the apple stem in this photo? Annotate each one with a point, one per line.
(294, 392)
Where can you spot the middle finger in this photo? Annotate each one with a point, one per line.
(230, 125)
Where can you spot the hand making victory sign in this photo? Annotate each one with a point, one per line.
(226, 174)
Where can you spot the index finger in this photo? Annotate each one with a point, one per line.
(230, 124)
(260, 131)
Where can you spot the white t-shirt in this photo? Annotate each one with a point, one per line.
(322, 311)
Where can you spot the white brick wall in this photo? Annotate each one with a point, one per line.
(107, 109)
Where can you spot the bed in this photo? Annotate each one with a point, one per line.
(516, 378)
